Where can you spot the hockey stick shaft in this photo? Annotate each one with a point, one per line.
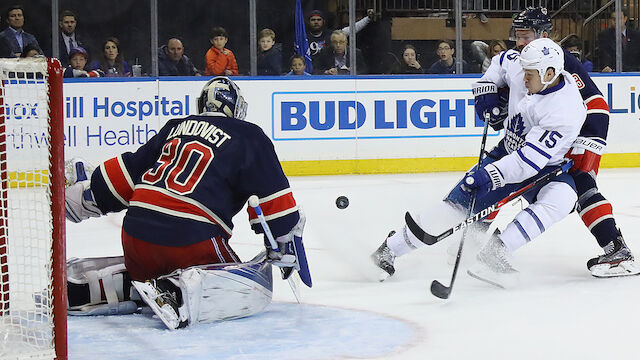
(255, 204)
(437, 288)
(430, 239)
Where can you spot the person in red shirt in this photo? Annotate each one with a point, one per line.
(220, 60)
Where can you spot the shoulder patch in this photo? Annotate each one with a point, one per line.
(578, 80)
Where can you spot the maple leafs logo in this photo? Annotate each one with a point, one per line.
(514, 137)
(545, 50)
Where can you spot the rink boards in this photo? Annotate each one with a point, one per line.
(326, 125)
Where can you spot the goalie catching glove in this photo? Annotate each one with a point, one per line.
(79, 202)
(489, 99)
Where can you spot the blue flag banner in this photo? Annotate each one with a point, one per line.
(302, 44)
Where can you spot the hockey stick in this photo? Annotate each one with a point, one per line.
(255, 204)
(437, 288)
(432, 239)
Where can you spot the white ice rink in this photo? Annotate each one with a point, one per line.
(559, 311)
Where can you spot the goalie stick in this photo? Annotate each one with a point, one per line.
(432, 239)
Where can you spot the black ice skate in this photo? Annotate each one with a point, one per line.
(383, 258)
(493, 265)
(165, 299)
(616, 261)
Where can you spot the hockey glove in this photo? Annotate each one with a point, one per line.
(489, 100)
(76, 170)
(586, 153)
(487, 179)
(79, 202)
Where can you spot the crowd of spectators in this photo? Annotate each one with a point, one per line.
(329, 50)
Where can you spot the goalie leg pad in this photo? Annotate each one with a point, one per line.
(99, 286)
(226, 291)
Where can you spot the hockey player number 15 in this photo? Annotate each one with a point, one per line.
(552, 138)
(185, 165)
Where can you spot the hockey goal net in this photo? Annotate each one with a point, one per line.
(32, 243)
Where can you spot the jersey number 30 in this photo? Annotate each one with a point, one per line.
(184, 165)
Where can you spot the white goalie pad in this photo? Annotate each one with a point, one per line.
(89, 278)
(226, 291)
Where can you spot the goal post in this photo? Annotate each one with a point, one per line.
(33, 291)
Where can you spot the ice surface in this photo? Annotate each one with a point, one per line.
(559, 311)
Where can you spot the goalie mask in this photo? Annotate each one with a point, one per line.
(542, 54)
(222, 95)
(536, 19)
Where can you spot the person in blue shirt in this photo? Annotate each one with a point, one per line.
(14, 35)
(447, 62)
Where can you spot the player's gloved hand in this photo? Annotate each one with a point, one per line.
(586, 153)
(79, 202)
(488, 100)
(482, 181)
(287, 255)
(77, 169)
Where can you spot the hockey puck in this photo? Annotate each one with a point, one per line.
(342, 202)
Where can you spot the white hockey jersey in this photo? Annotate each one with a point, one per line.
(542, 130)
(505, 70)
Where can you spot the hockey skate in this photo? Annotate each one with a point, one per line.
(493, 265)
(165, 300)
(383, 258)
(616, 261)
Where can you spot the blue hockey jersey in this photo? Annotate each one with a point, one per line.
(188, 181)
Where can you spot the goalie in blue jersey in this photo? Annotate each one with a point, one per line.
(180, 191)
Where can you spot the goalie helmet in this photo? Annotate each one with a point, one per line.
(542, 54)
(222, 95)
(536, 19)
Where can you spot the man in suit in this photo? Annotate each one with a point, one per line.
(335, 59)
(14, 35)
(630, 46)
(68, 38)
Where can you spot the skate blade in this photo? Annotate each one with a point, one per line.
(383, 276)
(502, 281)
(165, 313)
(624, 268)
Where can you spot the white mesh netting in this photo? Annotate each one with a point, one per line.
(26, 319)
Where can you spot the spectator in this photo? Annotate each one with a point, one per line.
(5, 48)
(334, 59)
(447, 62)
(68, 38)
(482, 53)
(78, 57)
(409, 63)
(270, 56)
(112, 62)
(573, 44)
(31, 50)
(298, 67)
(220, 60)
(173, 62)
(15, 36)
(630, 45)
(318, 35)
(496, 47)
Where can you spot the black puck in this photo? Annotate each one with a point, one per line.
(342, 202)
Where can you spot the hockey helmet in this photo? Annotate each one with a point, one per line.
(542, 54)
(532, 18)
(222, 95)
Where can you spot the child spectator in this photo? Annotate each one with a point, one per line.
(270, 57)
(220, 60)
(77, 61)
(31, 50)
(298, 66)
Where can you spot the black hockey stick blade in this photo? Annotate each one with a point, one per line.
(421, 234)
(439, 290)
